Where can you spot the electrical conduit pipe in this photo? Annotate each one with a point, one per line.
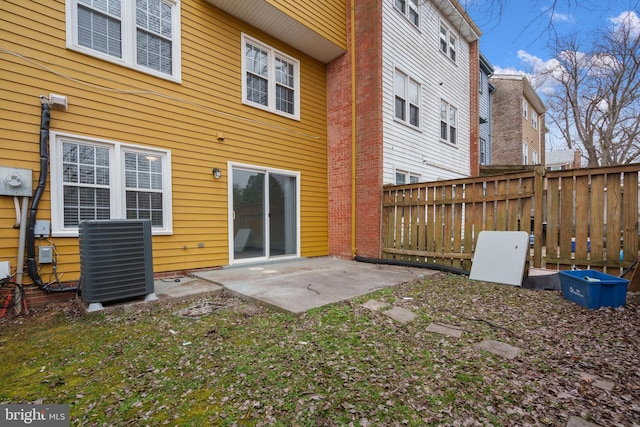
(42, 182)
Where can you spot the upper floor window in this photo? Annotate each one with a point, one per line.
(142, 34)
(271, 79)
(534, 157)
(95, 179)
(409, 8)
(448, 123)
(407, 99)
(448, 42)
(534, 120)
(525, 108)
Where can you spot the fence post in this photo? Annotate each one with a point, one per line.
(538, 215)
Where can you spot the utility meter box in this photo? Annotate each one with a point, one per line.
(5, 269)
(42, 229)
(45, 254)
(15, 182)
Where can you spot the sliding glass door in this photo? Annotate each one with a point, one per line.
(264, 214)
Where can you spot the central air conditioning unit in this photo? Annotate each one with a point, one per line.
(116, 262)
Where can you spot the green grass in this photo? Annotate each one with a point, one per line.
(334, 365)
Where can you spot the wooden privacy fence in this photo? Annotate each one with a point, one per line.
(582, 218)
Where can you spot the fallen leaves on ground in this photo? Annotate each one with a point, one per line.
(343, 364)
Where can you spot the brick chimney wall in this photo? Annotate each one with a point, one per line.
(369, 154)
(474, 112)
(506, 123)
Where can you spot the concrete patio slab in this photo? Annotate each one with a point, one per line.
(299, 285)
(184, 288)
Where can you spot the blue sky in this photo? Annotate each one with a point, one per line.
(517, 35)
(517, 39)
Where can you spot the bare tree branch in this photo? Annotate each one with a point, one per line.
(596, 101)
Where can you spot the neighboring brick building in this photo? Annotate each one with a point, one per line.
(518, 122)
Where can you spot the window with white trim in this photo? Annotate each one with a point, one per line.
(142, 34)
(448, 122)
(448, 42)
(409, 8)
(404, 177)
(483, 151)
(271, 79)
(525, 153)
(407, 99)
(534, 120)
(97, 179)
(534, 157)
(525, 108)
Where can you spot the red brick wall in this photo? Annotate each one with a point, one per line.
(369, 127)
(34, 296)
(368, 138)
(506, 116)
(474, 112)
(339, 148)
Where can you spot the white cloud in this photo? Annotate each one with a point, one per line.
(627, 19)
(561, 17)
(543, 73)
(535, 63)
(510, 70)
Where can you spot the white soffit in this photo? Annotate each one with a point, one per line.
(272, 21)
(459, 18)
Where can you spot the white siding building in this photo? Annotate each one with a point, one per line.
(429, 53)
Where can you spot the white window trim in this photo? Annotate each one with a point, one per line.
(409, 5)
(128, 20)
(525, 153)
(449, 108)
(449, 34)
(408, 103)
(271, 102)
(117, 193)
(231, 214)
(525, 108)
(534, 120)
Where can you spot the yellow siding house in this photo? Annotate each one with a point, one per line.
(207, 117)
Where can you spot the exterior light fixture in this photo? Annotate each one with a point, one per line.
(216, 173)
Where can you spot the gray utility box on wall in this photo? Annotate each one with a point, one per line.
(116, 261)
(15, 182)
